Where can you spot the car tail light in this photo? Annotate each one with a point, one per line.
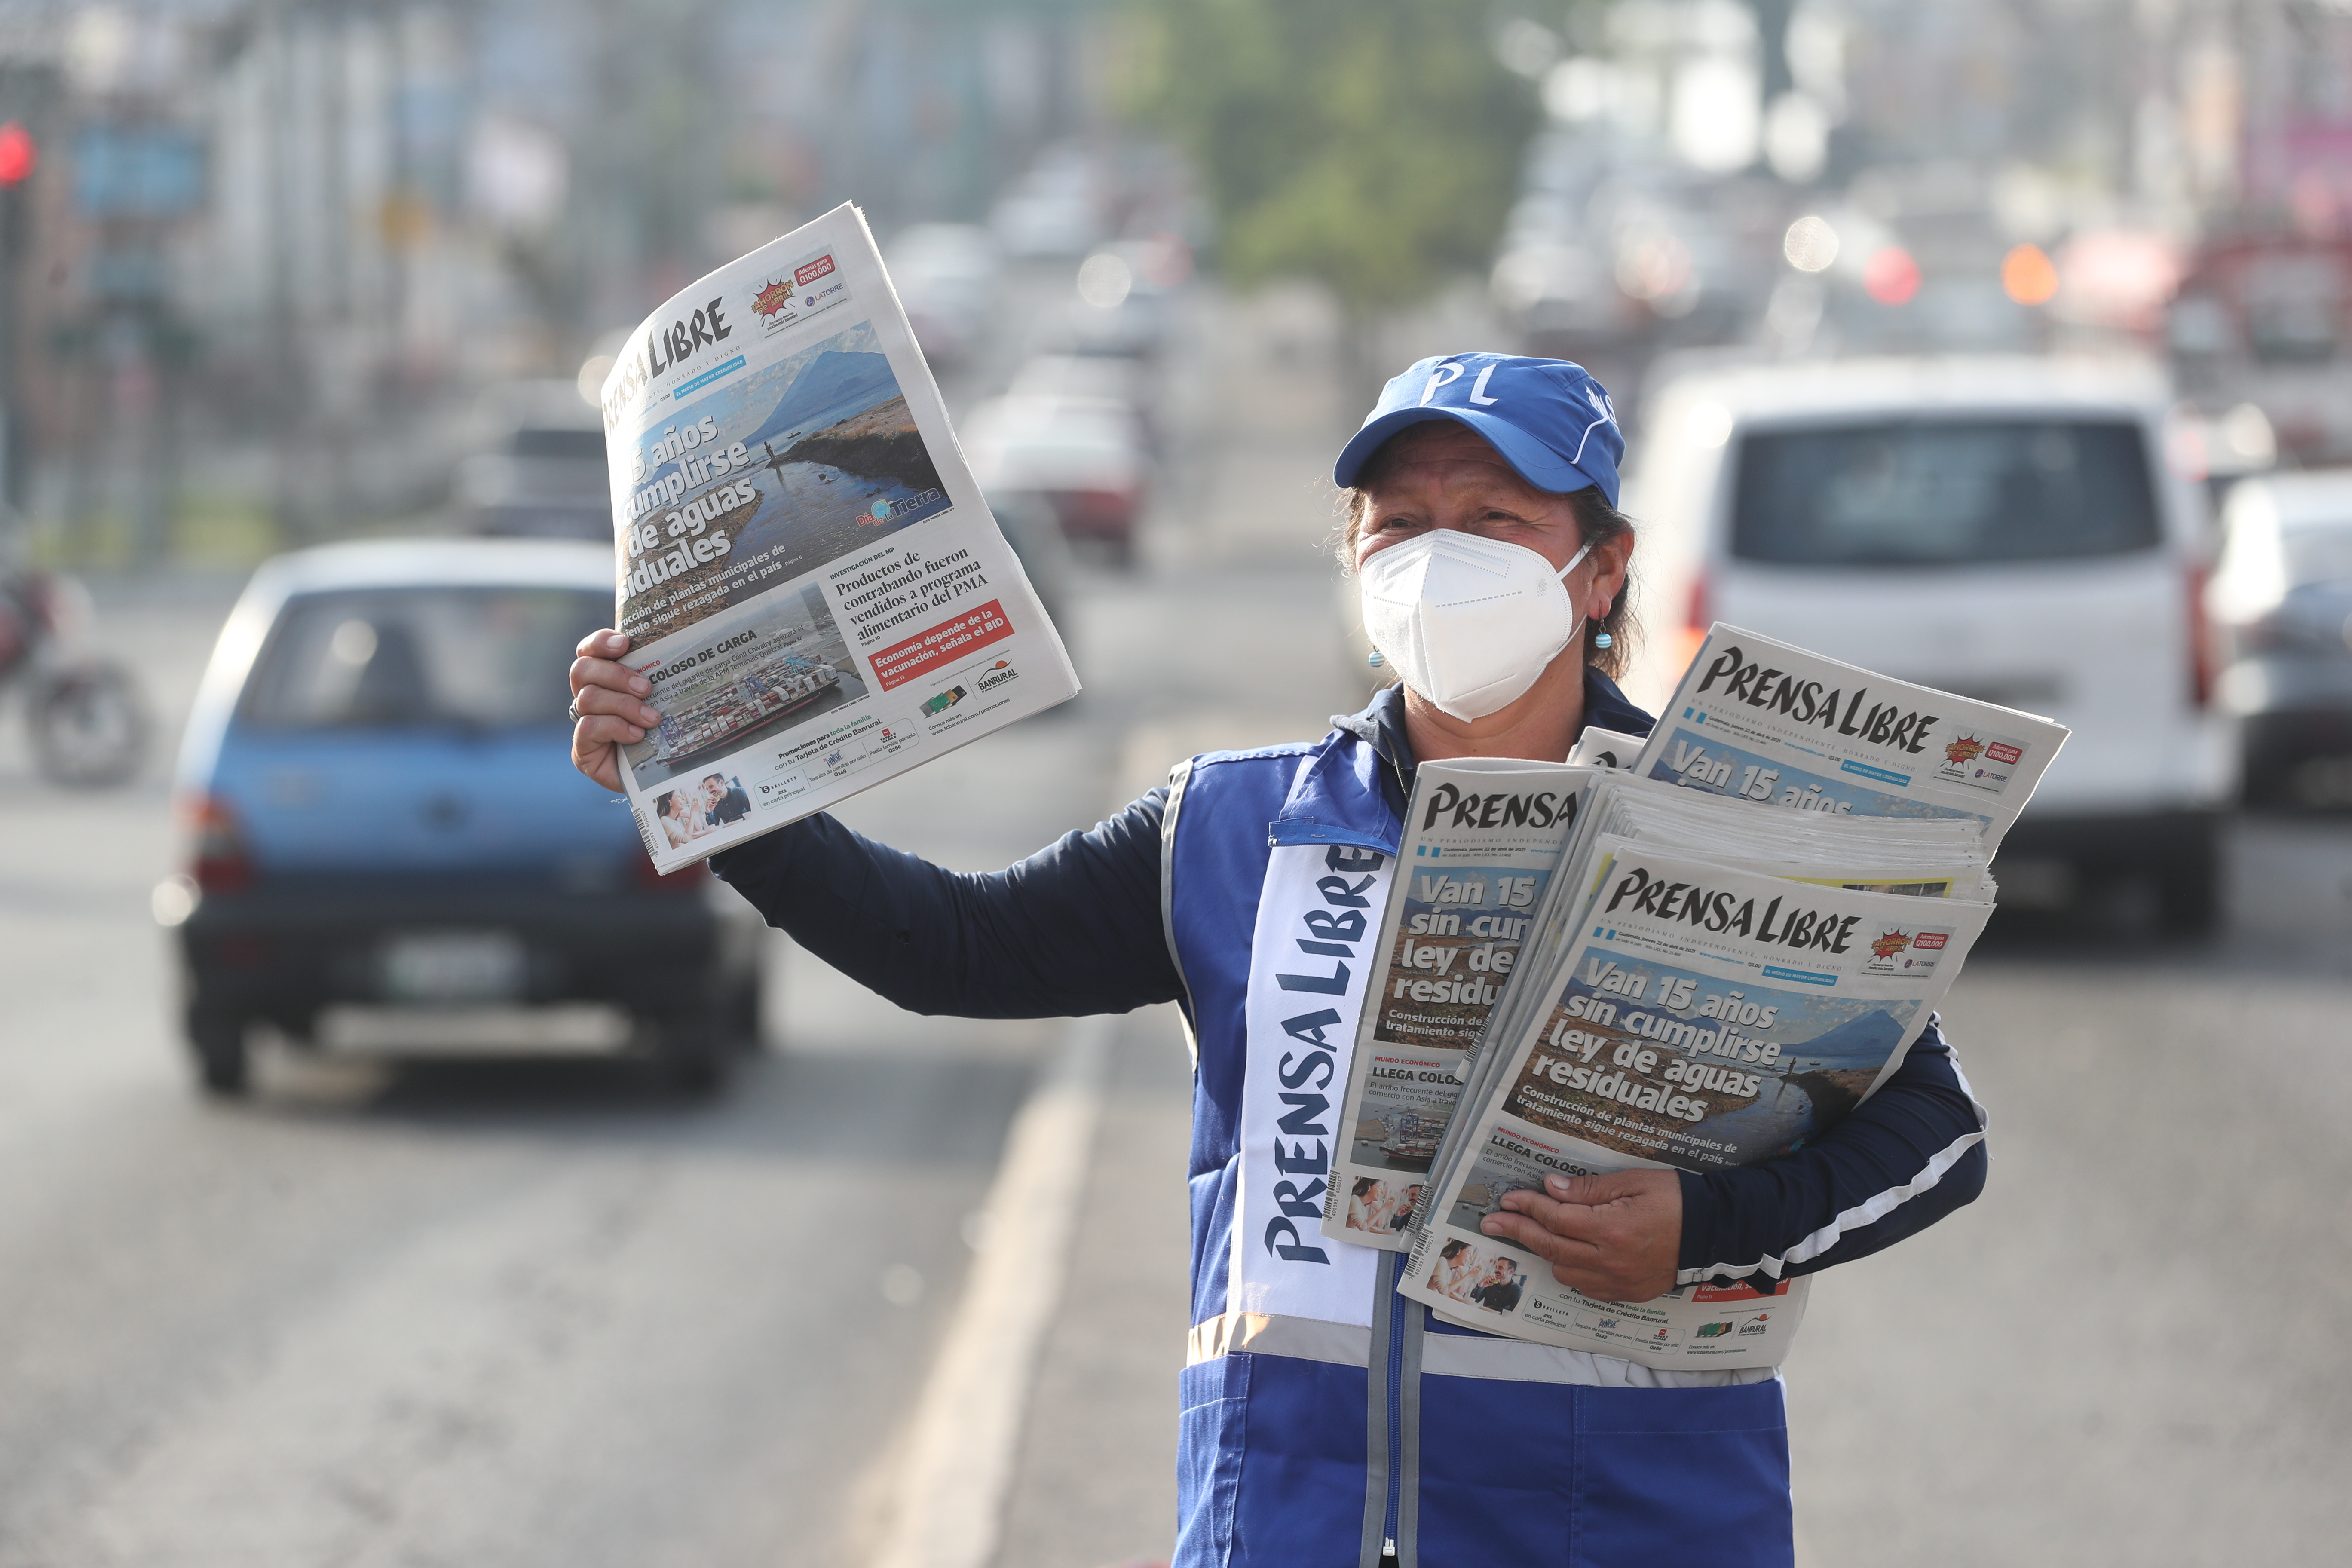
(685, 879)
(217, 857)
(2200, 642)
(1094, 511)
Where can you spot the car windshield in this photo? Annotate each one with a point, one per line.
(1943, 493)
(396, 658)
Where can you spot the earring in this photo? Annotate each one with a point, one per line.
(1602, 640)
(1374, 659)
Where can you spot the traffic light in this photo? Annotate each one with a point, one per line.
(18, 155)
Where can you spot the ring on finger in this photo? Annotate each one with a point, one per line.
(573, 711)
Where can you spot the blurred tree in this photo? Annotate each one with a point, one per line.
(1372, 144)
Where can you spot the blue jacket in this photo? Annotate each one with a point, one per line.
(1286, 1417)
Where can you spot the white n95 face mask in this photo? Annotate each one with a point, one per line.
(1469, 622)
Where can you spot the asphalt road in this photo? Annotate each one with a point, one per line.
(543, 1314)
(525, 1313)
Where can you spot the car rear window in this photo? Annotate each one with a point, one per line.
(586, 445)
(398, 657)
(2319, 554)
(1943, 492)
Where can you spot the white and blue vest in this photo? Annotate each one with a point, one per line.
(1325, 1421)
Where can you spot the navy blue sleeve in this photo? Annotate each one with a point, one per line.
(1899, 1162)
(1073, 928)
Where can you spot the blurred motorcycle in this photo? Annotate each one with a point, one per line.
(86, 717)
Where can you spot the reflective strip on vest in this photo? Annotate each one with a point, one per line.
(1445, 1356)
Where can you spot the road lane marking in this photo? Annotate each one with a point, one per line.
(964, 1442)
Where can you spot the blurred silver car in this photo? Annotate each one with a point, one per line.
(1053, 210)
(946, 275)
(2282, 599)
(1084, 457)
(1124, 299)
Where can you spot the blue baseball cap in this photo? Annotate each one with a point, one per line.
(1550, 420)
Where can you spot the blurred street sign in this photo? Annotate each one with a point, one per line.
(137, 171)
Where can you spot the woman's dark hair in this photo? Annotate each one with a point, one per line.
(1364, 1184)
(1597, 522)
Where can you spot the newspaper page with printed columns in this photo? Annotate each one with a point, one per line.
(1704, 1017)
(1482, 838)
(1760, 720)
(808, 574)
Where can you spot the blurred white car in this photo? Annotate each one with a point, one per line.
(1106, 381)
(2006, 529)
(1054, 209)
(544, 475)
(1124, 298)
(946, 275)
(2283, 597)
(1083, 457)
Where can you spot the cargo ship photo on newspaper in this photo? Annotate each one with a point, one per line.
(752, 673)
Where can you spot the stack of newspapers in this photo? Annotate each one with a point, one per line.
(1690, 953)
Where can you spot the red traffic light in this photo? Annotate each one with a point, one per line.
(18, 155)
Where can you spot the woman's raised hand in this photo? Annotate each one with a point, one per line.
(608, 696)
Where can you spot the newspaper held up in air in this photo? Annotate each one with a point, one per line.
(1704, 1017)
(1763, 720)
(1482, 838)
(808, 574)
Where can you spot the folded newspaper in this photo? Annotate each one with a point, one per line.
(1767, 722)
(1621, 964)
(1705, 1017)
(1482, 839)
(808, 574)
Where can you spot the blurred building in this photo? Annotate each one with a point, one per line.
(270, 249)
(1734, 177)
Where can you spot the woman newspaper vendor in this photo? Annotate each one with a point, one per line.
(1324, 1421)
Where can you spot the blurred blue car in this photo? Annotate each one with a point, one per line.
(387, 845)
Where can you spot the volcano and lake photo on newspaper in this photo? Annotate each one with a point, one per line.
(771, 476)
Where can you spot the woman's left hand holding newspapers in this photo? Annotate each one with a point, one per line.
(1615, 1238)
(607, 696)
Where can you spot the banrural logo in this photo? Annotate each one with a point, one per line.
(996, 675)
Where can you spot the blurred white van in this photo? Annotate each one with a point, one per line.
(2007, 529)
